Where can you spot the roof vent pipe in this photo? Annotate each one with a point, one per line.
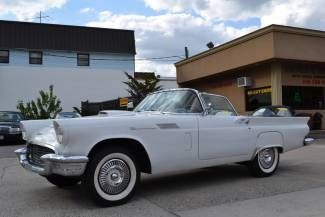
(186, 53)
(210, 45)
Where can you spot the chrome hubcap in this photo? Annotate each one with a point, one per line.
(266, 158)
(114, 176)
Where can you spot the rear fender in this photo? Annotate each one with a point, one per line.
(269, 140)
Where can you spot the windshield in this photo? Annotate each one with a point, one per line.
(218, 105)
(176, 101)
(9, 117)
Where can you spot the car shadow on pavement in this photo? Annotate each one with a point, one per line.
(193, 179)
(76, 196)
(162, 185)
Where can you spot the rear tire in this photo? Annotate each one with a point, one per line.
(265, 162)
(111, 176)
(62, 181)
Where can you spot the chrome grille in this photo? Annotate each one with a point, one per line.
(35, 152)
(4, 129)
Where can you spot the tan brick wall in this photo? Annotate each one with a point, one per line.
(228, 86)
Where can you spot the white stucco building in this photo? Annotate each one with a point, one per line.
(83, 63)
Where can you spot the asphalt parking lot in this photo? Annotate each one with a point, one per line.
(297, 189)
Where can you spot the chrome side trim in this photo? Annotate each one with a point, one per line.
(54, 164)
(165, 126)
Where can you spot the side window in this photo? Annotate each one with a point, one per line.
(185, 102)
(218, 105)
(83, 59)
(179, 102)
(194, 106)
(35, 57)
(4, 56)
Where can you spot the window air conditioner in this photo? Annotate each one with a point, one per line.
(244, 82)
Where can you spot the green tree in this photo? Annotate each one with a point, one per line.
(46, 106)
(139, 89)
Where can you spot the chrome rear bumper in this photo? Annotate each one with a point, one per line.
(308, 141)
(54, 164)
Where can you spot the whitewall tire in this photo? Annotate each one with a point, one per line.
(111, 176)
(265, 162)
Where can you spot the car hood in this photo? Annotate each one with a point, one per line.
(42, 131)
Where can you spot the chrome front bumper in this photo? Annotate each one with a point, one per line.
(54, 164)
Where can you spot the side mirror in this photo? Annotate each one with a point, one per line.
(130, 106)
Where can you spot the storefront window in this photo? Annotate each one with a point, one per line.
(303, 97)
(257, 97)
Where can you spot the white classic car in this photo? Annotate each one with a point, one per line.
(170, 130)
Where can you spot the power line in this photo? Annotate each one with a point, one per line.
(161, 58)
(165, 58)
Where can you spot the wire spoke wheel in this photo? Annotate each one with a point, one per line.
(266, 158)
(266, 162)
(114, 176)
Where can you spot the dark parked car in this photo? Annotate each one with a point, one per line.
(274, 111)
(10, 131)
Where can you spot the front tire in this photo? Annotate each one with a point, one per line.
(265, 162)
(111, 176)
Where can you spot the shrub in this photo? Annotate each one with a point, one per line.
(46, 106)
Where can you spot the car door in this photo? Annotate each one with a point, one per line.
(173, 132)
(222, 134)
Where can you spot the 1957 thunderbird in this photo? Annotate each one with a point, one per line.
(170, 130)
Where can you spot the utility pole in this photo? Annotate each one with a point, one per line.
(41, 17)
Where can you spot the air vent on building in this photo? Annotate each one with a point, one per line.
(244, 82)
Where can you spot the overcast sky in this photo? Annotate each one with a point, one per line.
(165, 27)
